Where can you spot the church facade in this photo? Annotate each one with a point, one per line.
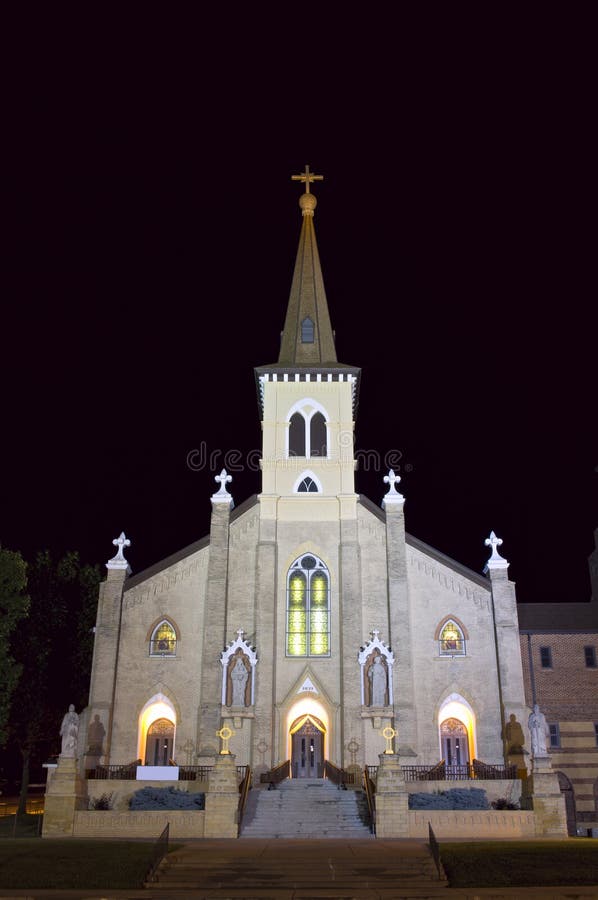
(308, 621)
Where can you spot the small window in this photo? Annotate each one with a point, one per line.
(546, 657)
(555, 735)
(590, 654)
(596, 732)
(452, 642)
(163, 641)
(308, 486)
(307, 331)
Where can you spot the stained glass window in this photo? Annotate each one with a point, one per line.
(452, 642)
(163, 641)
(308, 608)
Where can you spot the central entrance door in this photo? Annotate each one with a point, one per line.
(307, 758)
(455, 747)
(160, 738)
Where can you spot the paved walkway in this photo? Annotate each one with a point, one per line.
(277, 869)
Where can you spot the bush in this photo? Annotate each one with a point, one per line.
(103, 802)
(503, 803)
(166, 798)
(456, 798)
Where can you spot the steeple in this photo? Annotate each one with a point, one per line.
(307, 341)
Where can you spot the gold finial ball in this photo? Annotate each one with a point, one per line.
(307, 202)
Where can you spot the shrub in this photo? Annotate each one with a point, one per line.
(456, 798)
(103, 802)
(166, 798)
(503, 803)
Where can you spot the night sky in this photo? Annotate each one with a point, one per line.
(153, 227)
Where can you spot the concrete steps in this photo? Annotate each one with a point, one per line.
(306, 808)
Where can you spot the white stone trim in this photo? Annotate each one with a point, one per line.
(307, 473)
(365, 653)
(225, 658)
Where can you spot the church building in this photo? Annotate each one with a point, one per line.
(308, 621)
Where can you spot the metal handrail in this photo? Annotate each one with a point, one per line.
(370, 794)
(274, 776)
(464, 772)
(338, 776)
(159, 851)
(435, 851)
(244, 788)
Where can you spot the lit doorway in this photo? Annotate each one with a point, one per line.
(307, 747)
(454, 742)
(160, 740)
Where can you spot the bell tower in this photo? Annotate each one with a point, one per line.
(307, 399)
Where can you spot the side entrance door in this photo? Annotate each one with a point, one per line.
(308, 752)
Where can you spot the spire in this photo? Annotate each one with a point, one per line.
(307, 338)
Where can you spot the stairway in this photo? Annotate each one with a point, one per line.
(306, 808)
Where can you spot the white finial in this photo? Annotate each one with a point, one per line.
(375, 634)
(392, 495)
(240, 633)
(119, 561)
(222, 495)
(496, 561)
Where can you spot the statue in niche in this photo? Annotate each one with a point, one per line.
(377, 679)
(539, 732)
(69, 732)
(239, 677)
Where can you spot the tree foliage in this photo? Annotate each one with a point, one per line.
(54, 651)
(14, 606)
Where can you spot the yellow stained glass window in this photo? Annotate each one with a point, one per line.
(163, 640)
(308, 618)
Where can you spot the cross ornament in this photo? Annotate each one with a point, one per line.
(388, 734)
(375, 634)
(391, 479)
(225, 734)
(307, 178)
(240, 633)
(222, 495)
(119, 561)
(494, 542)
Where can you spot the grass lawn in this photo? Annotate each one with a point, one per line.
(38, 863)
(25, 826)
(520, 863)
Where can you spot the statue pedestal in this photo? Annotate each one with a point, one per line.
(222, 799)
(65, 793)
(392, 799)
(547, 801)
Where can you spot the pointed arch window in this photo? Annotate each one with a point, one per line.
(307, 331)
(317, 435)
(452, 639)
(308, 486)
(163, 640)
(308, 608)
(297, 435)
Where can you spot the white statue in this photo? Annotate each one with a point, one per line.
(239, 676)
(539, 732)
(69, 732)
(377, 677)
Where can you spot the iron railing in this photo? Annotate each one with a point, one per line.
(465, 772)
(126, 772)
(244, 788)
(369, 787)
(340, 777)
(159, 851)
(435, 851)
(274, 776)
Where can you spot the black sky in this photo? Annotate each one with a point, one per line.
(152, 232)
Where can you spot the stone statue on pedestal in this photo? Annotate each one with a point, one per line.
(69, 732)
(239, 676)
(377, 677)
(539, 732)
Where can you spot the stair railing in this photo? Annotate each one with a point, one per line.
(274, 776)
(369, 788)
(340, 777)
(244, 788)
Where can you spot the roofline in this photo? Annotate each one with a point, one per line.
(414, 542)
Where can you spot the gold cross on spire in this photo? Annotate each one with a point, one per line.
(307, 178)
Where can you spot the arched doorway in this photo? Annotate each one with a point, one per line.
(160, 739)
(307, 747)
(454, 742)
(569, 796)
